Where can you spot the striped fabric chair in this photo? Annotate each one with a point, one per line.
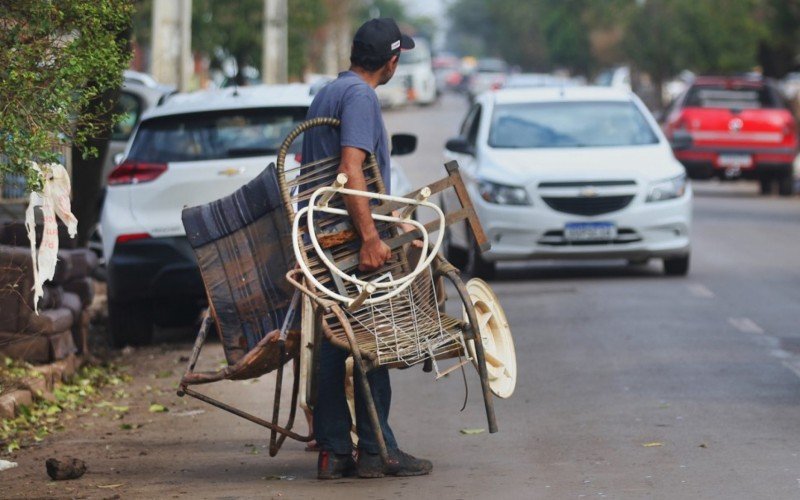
(241, 246)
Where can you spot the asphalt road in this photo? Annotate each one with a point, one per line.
(631, 385)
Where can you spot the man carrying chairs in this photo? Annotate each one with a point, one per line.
(351, 98)
(313, 264)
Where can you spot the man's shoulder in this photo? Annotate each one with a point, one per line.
(351, 84)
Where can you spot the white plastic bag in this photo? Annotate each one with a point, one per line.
(53, 201)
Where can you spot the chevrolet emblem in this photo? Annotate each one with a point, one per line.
(589, 192)
(230, 172)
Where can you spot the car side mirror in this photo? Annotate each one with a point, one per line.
(681, 140)
(403, 144)
(460, 145)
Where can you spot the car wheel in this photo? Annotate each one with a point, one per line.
(176, 313)
(786, 184)
(130, 323)
(454, 255)
(765, 185)
(477, 266)
(676, 266)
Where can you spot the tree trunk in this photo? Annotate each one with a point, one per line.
(87, 173)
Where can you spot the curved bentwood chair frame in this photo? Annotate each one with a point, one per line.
(293, 221)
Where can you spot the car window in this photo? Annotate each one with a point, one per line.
(472, 135)
(467, 123)
(128, 109)
(215, 135)
(569, 124)
(732, 97)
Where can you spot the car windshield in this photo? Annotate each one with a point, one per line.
(491, 66)
(215, 135)
(569, 125)
(419, 54)
(731, 97)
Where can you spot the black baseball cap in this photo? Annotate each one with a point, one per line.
(380, 38)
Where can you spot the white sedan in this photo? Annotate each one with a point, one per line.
(570, 173)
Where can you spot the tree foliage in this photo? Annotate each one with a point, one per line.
(234, 28)
(56, 57)
(422, 26)
(660, 37)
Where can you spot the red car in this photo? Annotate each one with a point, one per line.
(739, 127)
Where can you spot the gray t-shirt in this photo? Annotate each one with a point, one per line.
(354, 102)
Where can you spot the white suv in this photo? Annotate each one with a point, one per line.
(570, 173)
(192, 149)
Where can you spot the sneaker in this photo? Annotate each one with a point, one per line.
(333, 466)
(400, 464)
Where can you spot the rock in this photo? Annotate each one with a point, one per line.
(10, 403)
(66, 468)
(5, 465)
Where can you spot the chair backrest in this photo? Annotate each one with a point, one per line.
(334, 232)
(243, 247)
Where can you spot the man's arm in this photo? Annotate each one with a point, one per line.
(374, 252)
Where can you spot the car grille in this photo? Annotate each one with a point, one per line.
(596, 205)
(578, 184)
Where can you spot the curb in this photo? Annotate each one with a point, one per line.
(35, 387)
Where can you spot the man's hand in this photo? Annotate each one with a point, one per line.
(374, 253)
(408, 228)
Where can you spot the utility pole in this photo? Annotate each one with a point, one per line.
(275, 59)
(172, 42)
(338, 36)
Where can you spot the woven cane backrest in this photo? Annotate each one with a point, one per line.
(335, 233)
(242, 244)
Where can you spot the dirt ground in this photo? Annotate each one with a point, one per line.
(113, 445)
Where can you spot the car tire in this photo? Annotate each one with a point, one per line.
(765, 185)
(676, 266)
(786, 184)
(477, 266)
(130, 323)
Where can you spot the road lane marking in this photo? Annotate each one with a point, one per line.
(700, 291)
(746, 325)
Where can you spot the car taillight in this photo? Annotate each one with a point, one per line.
(790, 129)
(125, 238)
(298, 157)
(135, 172)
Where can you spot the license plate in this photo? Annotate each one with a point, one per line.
(735, 161)
(590, 231)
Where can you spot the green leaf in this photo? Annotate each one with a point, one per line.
(157, 408)
(471, 432)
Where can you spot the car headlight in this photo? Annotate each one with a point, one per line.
(503, 195)
(667, 189)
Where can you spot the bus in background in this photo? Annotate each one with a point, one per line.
(416, 68)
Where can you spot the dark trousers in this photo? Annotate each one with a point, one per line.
(331, 416)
